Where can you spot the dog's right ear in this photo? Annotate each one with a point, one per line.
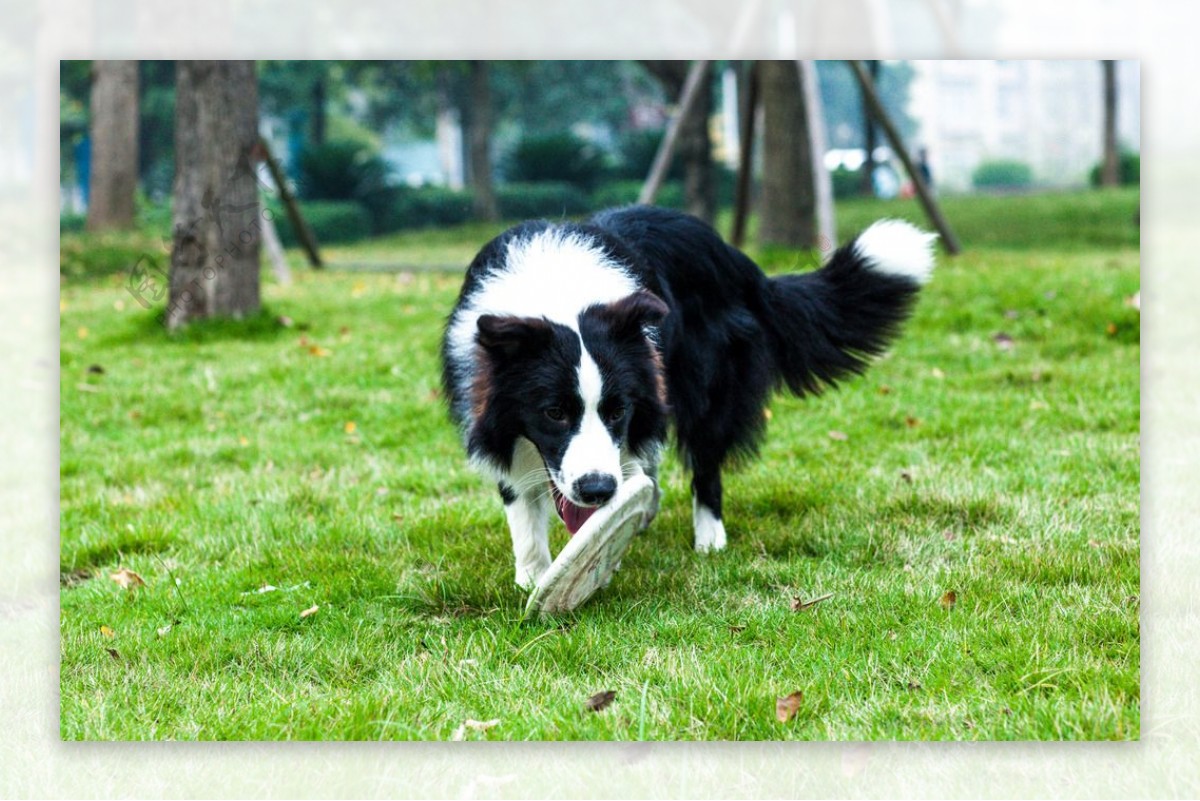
(512, 336)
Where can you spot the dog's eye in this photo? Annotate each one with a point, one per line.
(556, 413)
(615, 414)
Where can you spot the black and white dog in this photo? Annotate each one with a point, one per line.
(573, 347)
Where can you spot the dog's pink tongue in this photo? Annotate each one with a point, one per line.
(574, 516)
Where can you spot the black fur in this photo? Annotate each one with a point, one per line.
(726, 335)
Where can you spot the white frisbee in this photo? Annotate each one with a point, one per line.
(587, 562)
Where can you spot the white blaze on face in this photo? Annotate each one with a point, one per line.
(592, 449)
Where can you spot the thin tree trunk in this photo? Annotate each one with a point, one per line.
(114, 132)
(788, 198)
(214, 261)
(1110, 171)
(868, 168)
(484, 195)
(694, 145)
(318, 111)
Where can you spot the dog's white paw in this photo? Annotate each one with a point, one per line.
(709, 530)
(528, 575)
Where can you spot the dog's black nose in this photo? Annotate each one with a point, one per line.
(595, 488)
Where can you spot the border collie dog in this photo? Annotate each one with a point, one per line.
(574, 347)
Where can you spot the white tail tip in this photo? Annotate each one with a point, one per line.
(895, 247)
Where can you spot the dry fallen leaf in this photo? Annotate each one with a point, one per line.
(767, 414)
(113, 653)
(474, 725)
(949, 600)
(911, 421)
(312, 610)
(284, 321)
(840, 436)
(600, 700)
(906, 475)
(107, 632)
(350, 427)
(787, 706)
(1093, 543)
(1111, 329)
(127, 579)
(914, 685)
(95, 369)
(885, 390)
(317, 350)
(799, 605)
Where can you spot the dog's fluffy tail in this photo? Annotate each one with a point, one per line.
(827, 324)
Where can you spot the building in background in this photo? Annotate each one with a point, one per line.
(1047, 114)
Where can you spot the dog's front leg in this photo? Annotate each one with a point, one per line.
(528, 521)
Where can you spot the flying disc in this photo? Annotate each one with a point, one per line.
(587, 562)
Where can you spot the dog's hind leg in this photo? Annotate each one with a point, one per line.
(708, 528)
(528, 522)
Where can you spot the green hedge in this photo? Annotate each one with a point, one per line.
(71, 223)
(624, 193)
(550, 199)
(1002, 174)
(560, 157)
(427, 207)
(332, 221)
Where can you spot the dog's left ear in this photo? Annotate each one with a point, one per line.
(627, 317)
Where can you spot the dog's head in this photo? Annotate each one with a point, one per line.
(589, 399)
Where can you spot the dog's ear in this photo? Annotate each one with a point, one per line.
(627, 317)
(511, 336)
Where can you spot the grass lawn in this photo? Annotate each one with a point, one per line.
(992, 455)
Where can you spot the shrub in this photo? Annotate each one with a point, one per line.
(549, 199)
(636, 150)
(71, 223)
(423, 207)
(332, 222)
(846, 182)
(561, 157)
(624, 193)
(1002, 174)
(1129, 169)
(340, 170)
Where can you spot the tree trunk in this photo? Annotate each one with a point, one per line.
(318, 111)
(214, 261)
(1110, 171)
(788, 198)
(694, 145)
(114, 131)
(868, 169)
(484, 201)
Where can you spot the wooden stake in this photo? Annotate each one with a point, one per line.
(307, 239)
(666, 149)
(949, 241)
(822, 181)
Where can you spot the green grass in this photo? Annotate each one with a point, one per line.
(219, 460)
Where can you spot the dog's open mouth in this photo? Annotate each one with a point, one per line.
(573, 516)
